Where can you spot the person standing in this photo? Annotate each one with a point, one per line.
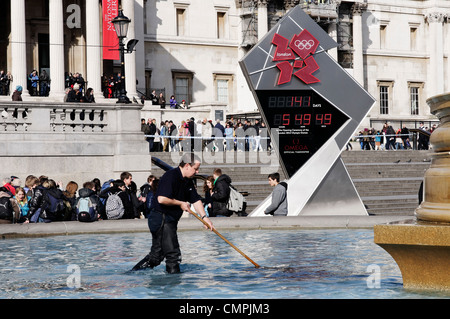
(423, 138)
(390, 137)
(164, 132)
(192, 127)
(173, 132)
(34, 82)
(151, 131)
(44, 82)
(162, 101)
(130, 202)
(279, 205)
(154, 98)
(175, 194)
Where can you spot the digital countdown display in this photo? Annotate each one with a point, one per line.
(302, 120)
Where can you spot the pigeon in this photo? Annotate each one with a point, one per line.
(396, 162)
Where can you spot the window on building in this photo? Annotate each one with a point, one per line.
(221, 24)
(384, 99)
(223, 85)
(222, 91)
(181, 22)
(383, 36)
(182, 82)
(413, 39)
(385, 95)
(415, 89)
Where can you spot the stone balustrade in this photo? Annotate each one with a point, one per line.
(68, 117)
(72, 141)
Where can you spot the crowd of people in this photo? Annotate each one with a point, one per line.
(76, 88)
(112, 85)
(42, 199)
(390, 139)
(37, 84)
(159, 99)
(200, 135)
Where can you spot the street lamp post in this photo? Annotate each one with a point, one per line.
(121, 23)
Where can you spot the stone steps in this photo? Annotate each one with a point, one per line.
(385, 187)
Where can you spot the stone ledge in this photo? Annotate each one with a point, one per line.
(244, 223)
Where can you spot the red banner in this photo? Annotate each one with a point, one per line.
(110, 40)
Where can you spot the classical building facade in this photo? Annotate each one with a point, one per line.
(62, 37)
(396, 49)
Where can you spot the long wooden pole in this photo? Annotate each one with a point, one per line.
(218, 234)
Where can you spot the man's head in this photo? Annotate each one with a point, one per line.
(189, 164)
(217, 172)
(126, 177)
(274, 179)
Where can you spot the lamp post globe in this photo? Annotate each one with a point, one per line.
(121, 23)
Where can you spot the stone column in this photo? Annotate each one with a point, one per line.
(18, 46)
(262, 18)
(140, 48)
(56, 27)
(436, 75)
(93, 46)
(358, 61)
(332, 32)
(130, 59)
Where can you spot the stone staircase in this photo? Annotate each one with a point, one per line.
(387, 181)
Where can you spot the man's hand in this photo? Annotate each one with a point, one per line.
(208, 221)
(185, 206)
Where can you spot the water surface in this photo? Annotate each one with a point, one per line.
(294, 264)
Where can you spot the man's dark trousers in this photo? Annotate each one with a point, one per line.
(164, 242)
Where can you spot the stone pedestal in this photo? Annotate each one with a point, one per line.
(421, 248)
(421, 251)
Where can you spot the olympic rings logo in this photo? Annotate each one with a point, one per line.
(304, 44)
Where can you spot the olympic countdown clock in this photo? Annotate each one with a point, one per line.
(311, 107)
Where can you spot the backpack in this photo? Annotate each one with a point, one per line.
(114, 206)
(55, 208)
(6, 210)
(105, 185)
(85, 210)
(236, 201)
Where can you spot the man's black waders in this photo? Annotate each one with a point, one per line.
(164, 242)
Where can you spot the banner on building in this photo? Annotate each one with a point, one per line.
(110, 40)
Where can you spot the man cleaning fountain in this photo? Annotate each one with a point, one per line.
(175, 194)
